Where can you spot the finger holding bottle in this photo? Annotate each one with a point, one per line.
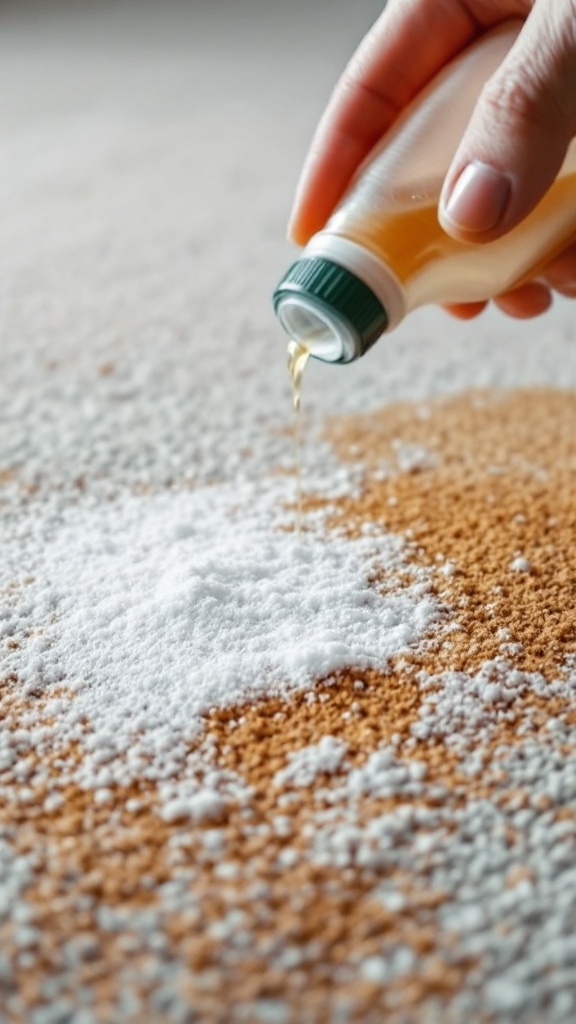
(480, 154)
(379, 81)
(519, 132)
(513, 149)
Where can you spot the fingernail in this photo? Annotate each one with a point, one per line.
(478, 199)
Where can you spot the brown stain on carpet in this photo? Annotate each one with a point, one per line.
(499, 485)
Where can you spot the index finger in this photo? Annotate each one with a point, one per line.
(408, 44)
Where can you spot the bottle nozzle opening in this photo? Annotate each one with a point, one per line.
(315, 328)
(329, 309)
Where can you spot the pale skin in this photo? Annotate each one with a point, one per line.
(511, 151)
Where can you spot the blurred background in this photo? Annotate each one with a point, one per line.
(149, 153)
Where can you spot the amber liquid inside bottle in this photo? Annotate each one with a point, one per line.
(385, 231)
(433, 267)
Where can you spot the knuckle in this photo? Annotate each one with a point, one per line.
(523, 97)
(536, 84)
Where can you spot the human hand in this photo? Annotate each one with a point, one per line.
(513, 146)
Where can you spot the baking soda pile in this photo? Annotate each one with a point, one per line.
(153, 610)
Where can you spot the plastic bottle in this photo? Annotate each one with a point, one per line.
(383, 252)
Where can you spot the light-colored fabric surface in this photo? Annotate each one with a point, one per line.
(248, 776)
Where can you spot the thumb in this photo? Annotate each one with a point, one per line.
(519, 132)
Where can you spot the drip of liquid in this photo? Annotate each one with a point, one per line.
(298, 356)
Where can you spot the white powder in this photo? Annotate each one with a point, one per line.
(304, 766)
(520, 564)
(412, 458)
(156, 609)
(140, 354)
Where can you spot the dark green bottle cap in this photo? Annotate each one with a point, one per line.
(318, 283)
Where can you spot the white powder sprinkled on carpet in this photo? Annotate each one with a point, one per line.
(392, 843)
(156, 609)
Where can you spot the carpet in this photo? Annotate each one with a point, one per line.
(251, 773)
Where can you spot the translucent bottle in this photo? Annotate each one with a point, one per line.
(383, 252)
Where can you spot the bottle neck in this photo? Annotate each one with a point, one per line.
(375, 274)
(326, 306)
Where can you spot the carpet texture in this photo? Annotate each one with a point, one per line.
(251, 774)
